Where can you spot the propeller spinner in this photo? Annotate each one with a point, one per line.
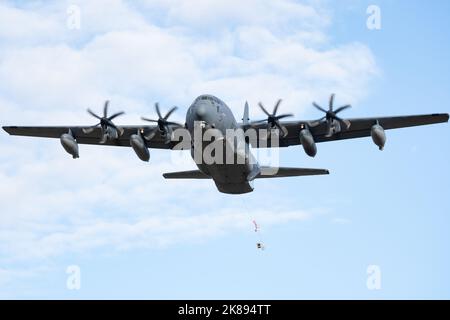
(105, 122)
(163, 125)
(273, 120)
(331, 115)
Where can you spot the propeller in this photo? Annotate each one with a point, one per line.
(163, 125)
(273, 120)
(105, 122)
(331, 115)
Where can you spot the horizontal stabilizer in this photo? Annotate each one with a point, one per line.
(266, 172)
(194, 174)
(269, 172)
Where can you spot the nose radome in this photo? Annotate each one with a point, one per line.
(200, 111)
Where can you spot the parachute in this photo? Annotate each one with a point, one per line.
(256, 226)
(259, 244)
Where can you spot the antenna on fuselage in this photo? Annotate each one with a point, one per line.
(245, 125)
(245, 118)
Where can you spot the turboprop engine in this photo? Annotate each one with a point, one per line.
(378, 135)
(308, 143)
(139, 145)
(70, 144)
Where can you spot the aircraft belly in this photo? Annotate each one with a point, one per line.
(229, 178)
(232, 188)
(228, 173)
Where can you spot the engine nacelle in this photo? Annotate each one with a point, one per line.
(308, 143)
(378, 136)
(140, 147)
(70, 144)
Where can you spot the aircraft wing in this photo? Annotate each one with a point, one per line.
(93, 138)
(360, 127)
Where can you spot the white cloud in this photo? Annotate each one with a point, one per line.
(149, 62)
(150, 232)
(22, 27)
(136, 53)
(279, 15)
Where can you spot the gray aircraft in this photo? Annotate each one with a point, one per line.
(210, 113)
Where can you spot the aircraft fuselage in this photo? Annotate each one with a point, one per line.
(212, 113)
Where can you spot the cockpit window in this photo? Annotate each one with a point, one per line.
(209, 98)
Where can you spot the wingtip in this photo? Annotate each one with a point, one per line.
(6, 129)
(443, 117)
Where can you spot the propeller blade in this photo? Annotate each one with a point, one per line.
(93, 114)
(264, 109)
(157, 110)
(151, 134)
(163, 125)
(170, 113)
(331, 116)
(282, 129)
(348, 124)
(90, 129)
(149, 120)
(331, 101)
(342, 108)
(317, 122)
(110, 124)
(275, 109)
(105, 123)
(284, 116)
(118, 114)
(319, 107)
(121, 130)
(105, 109)
(345, 122)
(285, 131)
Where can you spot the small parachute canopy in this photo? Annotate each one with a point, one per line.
(259, 244)
(256, 226)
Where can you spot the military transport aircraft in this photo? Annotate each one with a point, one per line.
(211, 113)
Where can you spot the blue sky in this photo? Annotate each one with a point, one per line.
(134, 235)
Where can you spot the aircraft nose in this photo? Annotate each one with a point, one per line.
(200, 111)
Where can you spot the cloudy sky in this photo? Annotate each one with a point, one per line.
(134, 235)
